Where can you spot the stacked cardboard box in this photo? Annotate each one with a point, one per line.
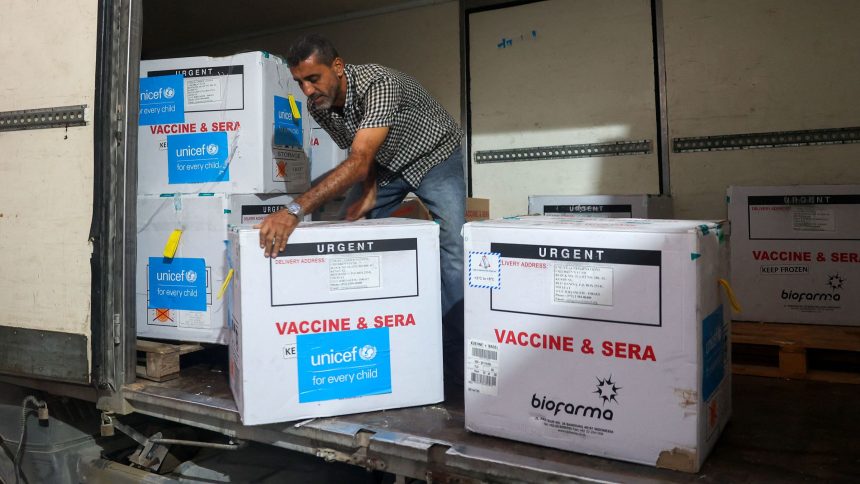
(347, 319)
(609, 206)
(601, 336)
(223, 125)
(177, 296)
(221, 141)
(796, 253)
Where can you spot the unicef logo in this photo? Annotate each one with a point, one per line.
(191, 276)
(169, 92)
(367, 352)
(212, 149)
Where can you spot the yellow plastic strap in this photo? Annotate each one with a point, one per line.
(225, 284)
(294, 107)
(172, 244)
(731, 294)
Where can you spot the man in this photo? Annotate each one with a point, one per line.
(401, 140)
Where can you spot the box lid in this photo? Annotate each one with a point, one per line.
(543, 222)
(343, 225)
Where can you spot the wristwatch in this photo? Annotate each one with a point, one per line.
(295, 209)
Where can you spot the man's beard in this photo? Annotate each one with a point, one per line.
(324, 103)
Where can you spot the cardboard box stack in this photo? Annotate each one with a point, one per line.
(601, 336)
(347, 319)
(222, 125)
(607, 206)
(221, 141)
(796, 253)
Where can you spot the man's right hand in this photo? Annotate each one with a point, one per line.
(275, 230)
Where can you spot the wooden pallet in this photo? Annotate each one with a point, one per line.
(792, 342)
(161, 359)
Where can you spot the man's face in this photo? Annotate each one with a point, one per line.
(321, 83)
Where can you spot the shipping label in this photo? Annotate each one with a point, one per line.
(482, 367)
(213, 88)
(197, 158)
(338, 271)
(580, 283)
(161, 100)
(346, 364)
(354, 272)
(255, 213)
(195, 320)
(804, 217)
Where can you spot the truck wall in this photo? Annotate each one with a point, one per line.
(737, 66)
(423, 42)
(46, 175)
(732, 67)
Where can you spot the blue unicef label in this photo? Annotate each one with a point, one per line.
(162, 100)
(288, 131)
(177, 283)
(197, 158)
(714, 340)
(346, 364)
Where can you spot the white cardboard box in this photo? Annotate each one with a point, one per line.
(221, 124)
(347, 319)
(251, 209)
(600, 336)
(182, 304)
(609, 206)
(796, 253)
(204, 220)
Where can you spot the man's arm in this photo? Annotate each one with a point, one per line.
(367, 200)
(277, 227)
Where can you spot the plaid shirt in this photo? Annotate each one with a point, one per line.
(421, 133)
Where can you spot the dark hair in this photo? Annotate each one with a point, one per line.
(308, 45)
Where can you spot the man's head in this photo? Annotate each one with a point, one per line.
(317, 67)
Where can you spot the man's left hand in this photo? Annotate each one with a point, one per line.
(275, 230)
(360, 207)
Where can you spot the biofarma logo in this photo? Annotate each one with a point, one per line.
(834, 283)
(607, 392)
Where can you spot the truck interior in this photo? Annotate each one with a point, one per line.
(780, 429)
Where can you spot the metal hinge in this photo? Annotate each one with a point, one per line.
(116, 329)
(57, 117)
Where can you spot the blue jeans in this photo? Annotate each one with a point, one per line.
(443, 191)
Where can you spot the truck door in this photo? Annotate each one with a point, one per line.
(562, 101)
(64, 261)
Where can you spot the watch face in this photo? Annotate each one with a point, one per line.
(295, 209)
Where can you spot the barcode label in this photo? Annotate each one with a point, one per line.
(485, 354)
(487, 380)
(482, 367)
